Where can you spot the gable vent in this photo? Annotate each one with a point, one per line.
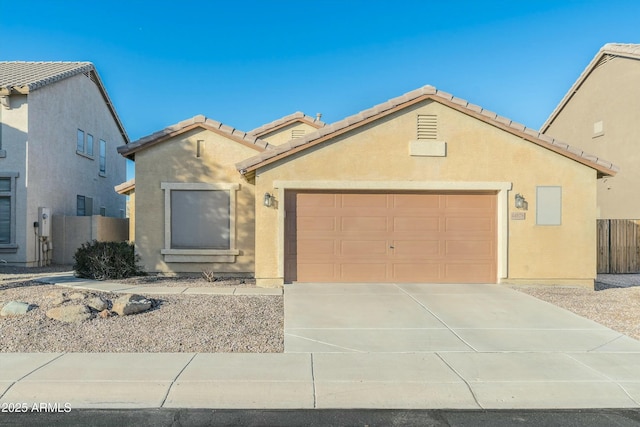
(604, 60)
(427, 126)
(297, 133)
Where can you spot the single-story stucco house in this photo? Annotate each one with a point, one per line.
(425, 187)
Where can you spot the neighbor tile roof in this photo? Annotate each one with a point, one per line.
(22, 77)
(126, 187)
(427, 92)
(298, 116)
(624, 50)
(187, 125)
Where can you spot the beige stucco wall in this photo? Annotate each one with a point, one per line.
(175, 161)
(283, 134)
(477, 154)
(610, 94)
(132, 215)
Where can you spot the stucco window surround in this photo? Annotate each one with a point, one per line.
(501, 188)
(8, 212)
(201, 255)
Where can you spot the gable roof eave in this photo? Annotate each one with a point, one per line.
(631, 51)
(184, 126)
(250, 165)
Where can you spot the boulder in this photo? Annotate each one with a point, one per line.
(15, 308)
(104, 314)
(97, 304)
(70, 313)
(77, 295)
(131, 304)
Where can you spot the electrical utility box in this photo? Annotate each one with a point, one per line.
(44, 222)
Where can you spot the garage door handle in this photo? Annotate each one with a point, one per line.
(391, 247)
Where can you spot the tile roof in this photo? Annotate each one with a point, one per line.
(298, 116)
(624, 50)
(187, 125)
(22, 77)
(126, 187)
(426, 92)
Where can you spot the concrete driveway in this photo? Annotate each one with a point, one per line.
(486, 345)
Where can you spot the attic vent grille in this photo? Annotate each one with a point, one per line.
(297, 133)
(604, 60)
(427, 126)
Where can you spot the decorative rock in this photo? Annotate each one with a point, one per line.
(15, 308)
(104, 314)
(131, 304)
(59, 301)
(77, 295)
(97, 303)
(70, 313)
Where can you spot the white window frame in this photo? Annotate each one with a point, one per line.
(10, 247)
(199, 255)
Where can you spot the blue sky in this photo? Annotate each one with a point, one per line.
(246, 63)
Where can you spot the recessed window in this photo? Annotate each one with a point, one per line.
(89, 144)
(80, 141)
(549, 205)
(103, 157)
(199, 222)
(84, 206)
(8, 212)
(199, 147)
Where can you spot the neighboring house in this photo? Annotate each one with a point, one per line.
(129, 189)
(58, 138)
(422, 188)
(599, 114)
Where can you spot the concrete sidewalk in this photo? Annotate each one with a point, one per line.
(365, 346)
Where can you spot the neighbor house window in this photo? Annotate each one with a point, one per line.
(103, 157)
(84, 206)
(8, 212)
(89, 144)
(80, 141)
(199, 222)
(549, 205)
(103, 211)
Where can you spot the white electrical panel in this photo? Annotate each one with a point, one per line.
(44, 222)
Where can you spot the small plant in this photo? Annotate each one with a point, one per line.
(209, 275)
(106, 260)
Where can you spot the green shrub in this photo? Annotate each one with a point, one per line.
(106, 260)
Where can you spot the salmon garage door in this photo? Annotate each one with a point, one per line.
(390, 237)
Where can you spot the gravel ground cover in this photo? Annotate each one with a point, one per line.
(176, 323)
(228, 323)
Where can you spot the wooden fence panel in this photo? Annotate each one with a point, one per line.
(618, 246)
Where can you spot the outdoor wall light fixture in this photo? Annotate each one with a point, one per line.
(268, 200)
(521, 203)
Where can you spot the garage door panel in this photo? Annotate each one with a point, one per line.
(470, 224)
(363, 248)
(421, 201)
(323, 272)
(390, 237)
(469, 249)
(364, 201)
(469, 201)
(317, 247)
(416, 272)
(416, 224)
(363, 272)
(311, 224)
(365, 224)
(416, 248)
